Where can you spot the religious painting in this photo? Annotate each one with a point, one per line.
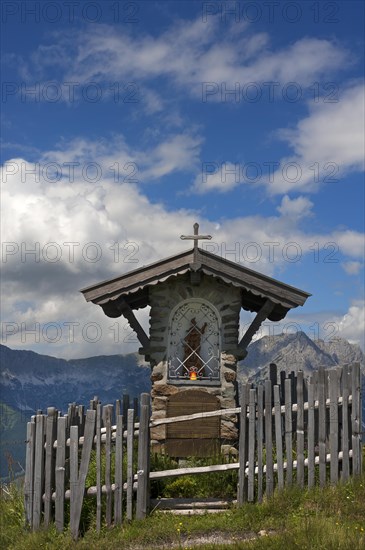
(194, 350)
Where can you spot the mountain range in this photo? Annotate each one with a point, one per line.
(293, 352)
(29, 381)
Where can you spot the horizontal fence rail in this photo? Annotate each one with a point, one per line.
(195, 416)
(291, 430)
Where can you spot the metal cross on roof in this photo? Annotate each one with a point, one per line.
(196, 238)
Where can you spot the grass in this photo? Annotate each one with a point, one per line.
(330, 518)
(215, 484)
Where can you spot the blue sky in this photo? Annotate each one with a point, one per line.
(125, 122)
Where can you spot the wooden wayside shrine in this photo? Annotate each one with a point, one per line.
(193, 344)
(286, 430)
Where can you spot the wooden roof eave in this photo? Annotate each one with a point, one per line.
(255, 281)
(144, 276)
(133, 286)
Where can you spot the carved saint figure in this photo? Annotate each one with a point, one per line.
(192, 344)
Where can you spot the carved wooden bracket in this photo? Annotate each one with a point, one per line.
(128, 314)
(262, 314)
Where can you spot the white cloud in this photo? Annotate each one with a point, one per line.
(152, 101)
(215, 177)
(174, 153)
(72, 228)
(352, 268)
(327, 145)
(188, 54)
(178, 153)
(351, 243)
(352, 325)
(295, 208)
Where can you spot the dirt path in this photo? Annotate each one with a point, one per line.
(215, 539)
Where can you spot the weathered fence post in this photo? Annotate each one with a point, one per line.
(345, 425)
(242, 492)
(282, 387)
(333, 386)
(356, 419)
(60, 473)
(268, 439)
(79, 478)
(107, 417)
(74, 468)
(71, 413)
(51, 427)
(125, 405)
(118, 409)
(98, 467)
(311, 435)
(260, 436)
(322, 426)
(251, 445)
(81, 419)
(300, 429)
(273, 374)
(93, 403)
(130, 436)
(118, 495)
(288, 432)
(136, 407)
(278, 438)
(38, 471)
(29, 473)
(143, 458)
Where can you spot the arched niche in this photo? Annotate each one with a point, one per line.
(194, 343)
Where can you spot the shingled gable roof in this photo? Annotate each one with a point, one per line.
(256, 288)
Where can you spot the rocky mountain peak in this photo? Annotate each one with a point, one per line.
(296, 351)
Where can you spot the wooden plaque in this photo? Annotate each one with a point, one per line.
(193, 437)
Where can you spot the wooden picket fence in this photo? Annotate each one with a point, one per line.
(300, 426)
(292, 430)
